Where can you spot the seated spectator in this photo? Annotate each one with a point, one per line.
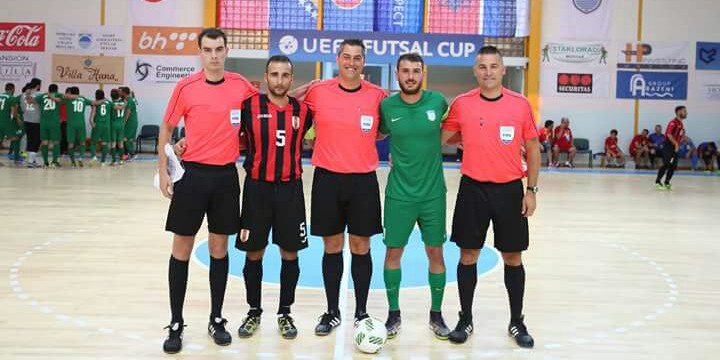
(563, 138)
(640, 150)
(687, 151)
(545, 136)
(614, 157)
(656, 143)
(708, 152)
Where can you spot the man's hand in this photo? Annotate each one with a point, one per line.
(528, 205)
(180, 147)
(166, 185)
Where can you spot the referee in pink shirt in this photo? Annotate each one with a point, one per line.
(495, 123)
(210, 103)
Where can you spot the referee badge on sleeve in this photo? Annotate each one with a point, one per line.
(507, 134)
(296, 122)
(235, 117)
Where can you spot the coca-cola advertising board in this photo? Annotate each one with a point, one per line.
(22, 36)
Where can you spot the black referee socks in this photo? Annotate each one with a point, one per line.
(361, 274)
(218, 281)
(515, 285)
(332, 268)
(177, 282)
(467, 280)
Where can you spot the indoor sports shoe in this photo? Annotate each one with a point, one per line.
(518, 331)
(216, 329)
(392, 325)
(668, 186)
(249, 325)
(360, 317)
(328, 321)
(173, 342)
(287, 327)
(462, 330)
(659, 186)
(437, 324)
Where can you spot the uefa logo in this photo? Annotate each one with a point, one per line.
(288, 44)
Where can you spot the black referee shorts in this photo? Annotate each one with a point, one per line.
(478, 203)
(205, 189)
(340, 200)
(279, 206)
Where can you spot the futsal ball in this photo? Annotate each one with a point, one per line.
(370, 335)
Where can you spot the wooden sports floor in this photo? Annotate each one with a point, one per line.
(616, 270)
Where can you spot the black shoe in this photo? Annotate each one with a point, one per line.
(173, 342)
(463, 329)
(216, 329)
(392, 325)
(286, 325)
(437, 324)
(249, 325)
(518, 331)
(360, 317)
(328, 321)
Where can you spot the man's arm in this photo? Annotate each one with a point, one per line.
(299, 92)
(166, 185)
(92, 116)
(446, 135)
(532, 147)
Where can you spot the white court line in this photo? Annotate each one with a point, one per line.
(342, 303)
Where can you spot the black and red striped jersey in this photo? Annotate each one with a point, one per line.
(676, 129)
(274, 138)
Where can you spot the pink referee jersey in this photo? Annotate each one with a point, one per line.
(493, 132)
(346, 124)
(212, 116)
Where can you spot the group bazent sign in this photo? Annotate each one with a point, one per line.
(652, 85)
(436, 49)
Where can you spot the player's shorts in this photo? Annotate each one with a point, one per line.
(613, 153)
(546, 146)
(131, 129)
(101, 132)
(117, 131)
(205, 189)
(50, 131)
(279, 206)
(478, 203)
(76, 132)
(564, 146)
(340, 200)
(9, 129)
(400, 218)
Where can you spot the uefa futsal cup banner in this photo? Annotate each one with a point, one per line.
(88, 69)
(654, 55)
(69, 39)
(161, 69)
(652, 85)
(348, 15)
(436, 49)
(403, 16)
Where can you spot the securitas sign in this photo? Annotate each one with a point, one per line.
(652, 85)
(436, 49)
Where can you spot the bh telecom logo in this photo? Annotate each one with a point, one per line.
(288, 44)
(85, 41)
(587, 6)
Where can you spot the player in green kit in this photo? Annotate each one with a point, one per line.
(131, 125)
(9, 126)
(117, 127)
(100, 121)
(415, 191)
(50, 124)
(76, 131)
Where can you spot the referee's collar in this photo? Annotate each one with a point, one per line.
(491, 99)
(215, 82)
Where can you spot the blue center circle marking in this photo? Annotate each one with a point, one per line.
(414, 262)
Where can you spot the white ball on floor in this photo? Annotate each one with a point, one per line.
(370, 335)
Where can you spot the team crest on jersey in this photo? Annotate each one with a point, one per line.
(296, 122)
(507, 134)
(431, 115)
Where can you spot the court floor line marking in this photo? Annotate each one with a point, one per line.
(342, 303)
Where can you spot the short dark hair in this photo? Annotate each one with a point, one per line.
(613, 131)
(24, 88)
(646, 130)
(351, 42)
(279, 59)
(679, 107)
(125, 90)
(114, 94)
(75, 90)
(549, 123)
(99, 94)
(35, 82)
(489, 50)
(411, 57)
(212, 33)
(9, 86)
(68, 90)
(53, 88)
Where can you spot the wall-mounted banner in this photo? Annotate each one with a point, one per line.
(655, 55)
(152, 12)
(436, 49)
(80, 39)
(585, 84)
(162, 40)
(575, 53)
(584, 19)
(22, 36)
(652, 85)
(88, 69)
(707, 85)
(161, 69)
(20, 67)
(707, 56)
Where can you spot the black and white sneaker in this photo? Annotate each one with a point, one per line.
(437, 324)
(216, 329)
(463, 329)
(328, 321)
(173, 342)
(360, 317)
(518, 331)
(392, 325)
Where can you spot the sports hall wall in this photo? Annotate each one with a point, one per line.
(663, 21)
